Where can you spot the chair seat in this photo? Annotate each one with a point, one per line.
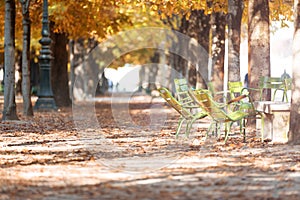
(217, 113)
(183, 109)
(237, 115)
(245, 106)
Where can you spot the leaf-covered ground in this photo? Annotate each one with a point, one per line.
(133, 154)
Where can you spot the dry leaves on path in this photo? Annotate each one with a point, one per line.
(46, 157)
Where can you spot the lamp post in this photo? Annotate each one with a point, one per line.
(45, 99)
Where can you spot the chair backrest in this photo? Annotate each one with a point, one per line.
(165, 93)
(275, 83)
(287, 83)
(181, 85)
(266, 82)
(205, 100)
(182, 88)
(235, 88)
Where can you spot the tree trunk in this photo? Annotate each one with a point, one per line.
(192, 78)
(77, 54)
(191, 28)
(235, 12)
(59, 69)
(218, 51)
(141, 78)
(177, 62)
(197, 27)
(10, 108)
(153, 73)
(203, 40)
(84, 73)
(91, 70)
(259, 45)
(184, 29)
(294, 134)
(18, 68)
(27, 105)
(72, 67)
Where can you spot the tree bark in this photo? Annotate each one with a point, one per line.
(142, 76)
(203, 39)
(235, 12)
(10, 108)
(59, 69)
(192, 78)
(218, 51)
(18, 68)
(294, 133)
(177, 62)
(83, 69)
(258, 45)
(185, 29)
(153, 72)
(26, 92)
(198, 27)
(77, 54)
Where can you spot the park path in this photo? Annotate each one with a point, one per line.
(46, 157)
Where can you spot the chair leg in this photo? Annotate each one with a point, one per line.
(226, 132)
(217, 129)
(189, 126)
(209, 129)
(262, 127)
(274, 94)
(285, 96)
(179, 127)
(187, 129)
(216, 133)
(244, 129)
(241, 126)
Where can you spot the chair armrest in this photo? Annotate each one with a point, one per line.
(237, 99)
(247, 88)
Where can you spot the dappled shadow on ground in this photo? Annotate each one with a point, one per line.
(46, 157)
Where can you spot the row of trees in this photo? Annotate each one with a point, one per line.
(23, 22)
(205, 21)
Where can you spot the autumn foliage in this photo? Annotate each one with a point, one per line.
(99, 18)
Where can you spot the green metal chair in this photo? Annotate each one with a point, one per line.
(286, 86)
(272, 83)
(184, 98)
(182, 92)
(245, 104)
(185, 113)
(266, 82)
(237, 89)
(182, 88)
(219, 96)
(219, 114)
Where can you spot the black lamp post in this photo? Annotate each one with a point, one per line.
(45, 99)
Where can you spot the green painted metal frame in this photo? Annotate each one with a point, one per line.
(185, 113)
(220, 114)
